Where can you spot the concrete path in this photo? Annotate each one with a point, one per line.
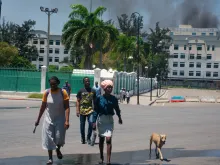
(192, 136)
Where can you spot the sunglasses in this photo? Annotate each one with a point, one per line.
(109, 86)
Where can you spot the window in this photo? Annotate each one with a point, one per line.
(208, 47)
(191, 56)
(57, 51)
(41, 58)
(182, 64)
(213, 47)
(57, 42)
(51, 42)
(190, 47)
(50, 50)
(191, 73)
(209, 57)
(42, 42)
(175, 64)
(176, 47)
(182, 56)
(203, 34)
(175, 55)
(56, 59)
(215, 65)
(199, 57)
(198, 65)
(171, 33)
(66, 51)
(184, 47)
(194, 34)
(215, 74)
(40, 67)
(33, 59)
(208, 74)
(199, 47)
(208, 65)
(211, 34)
(35, 41)
(198, 73)
(175, 73)
(182, 73)
(41, 50)
(50, 59)
(191, 64)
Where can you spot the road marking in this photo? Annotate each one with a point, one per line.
(163, 104)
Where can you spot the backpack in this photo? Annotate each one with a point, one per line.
(67, 88)
(48, 91)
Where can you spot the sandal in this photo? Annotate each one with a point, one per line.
(50, 161)
(59, 154)
(101, 160)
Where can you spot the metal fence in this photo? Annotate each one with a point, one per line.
(20, 80)
(75, 80)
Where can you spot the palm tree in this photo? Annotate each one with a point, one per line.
(88, 30)
(126, 46)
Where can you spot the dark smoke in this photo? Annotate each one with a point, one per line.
(198, 13)
(170, 13)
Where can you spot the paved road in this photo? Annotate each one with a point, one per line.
(192, 136)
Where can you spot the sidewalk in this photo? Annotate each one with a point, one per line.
(144, 99)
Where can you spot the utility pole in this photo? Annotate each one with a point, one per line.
(0, 10)
(49, 13)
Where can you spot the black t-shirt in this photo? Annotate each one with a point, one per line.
(87, 97)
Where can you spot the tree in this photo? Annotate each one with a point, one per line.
(88, 30)
(66, 68)
(19, 36)
(7, 54)
(129, 26)
(158, 40)
(126, 47)
(10, 58)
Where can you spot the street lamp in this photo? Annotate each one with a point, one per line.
(49, 13)
(157, 84)
(138, 58)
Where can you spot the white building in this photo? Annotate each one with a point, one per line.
(57, 51)
(194, 54)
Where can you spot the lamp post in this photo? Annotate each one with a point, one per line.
(49, 13)
(138, 58)
(157, 84)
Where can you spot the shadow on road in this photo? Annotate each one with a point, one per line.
(118, 158)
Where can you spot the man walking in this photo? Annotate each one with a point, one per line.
(67, 87)
(84, 109)
(97, 89)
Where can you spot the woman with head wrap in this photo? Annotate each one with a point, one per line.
(104, 112)
(56, 120)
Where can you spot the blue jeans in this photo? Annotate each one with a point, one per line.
(82, 125)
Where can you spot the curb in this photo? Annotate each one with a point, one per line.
(28, 99)
(157, 98)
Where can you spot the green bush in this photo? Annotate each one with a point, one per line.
(36, 95)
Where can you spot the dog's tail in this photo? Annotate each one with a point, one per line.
(150, 144)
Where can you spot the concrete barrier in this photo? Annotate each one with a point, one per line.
(207, 99)
(192, 98)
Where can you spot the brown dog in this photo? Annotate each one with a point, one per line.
(159, 140)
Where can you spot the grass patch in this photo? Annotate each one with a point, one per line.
(35, 95)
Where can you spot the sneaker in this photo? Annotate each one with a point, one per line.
(83, 141)
(88, 141)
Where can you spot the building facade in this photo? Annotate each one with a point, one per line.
(194, 55)
(57, 51)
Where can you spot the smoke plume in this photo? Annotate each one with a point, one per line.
(198, 13)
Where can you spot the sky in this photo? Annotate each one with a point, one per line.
(153, 10)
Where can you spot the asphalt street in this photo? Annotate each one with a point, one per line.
(192, 136)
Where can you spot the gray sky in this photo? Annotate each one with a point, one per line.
(153, 10)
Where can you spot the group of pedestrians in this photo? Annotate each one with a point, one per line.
(124, 95)
(97, 109)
